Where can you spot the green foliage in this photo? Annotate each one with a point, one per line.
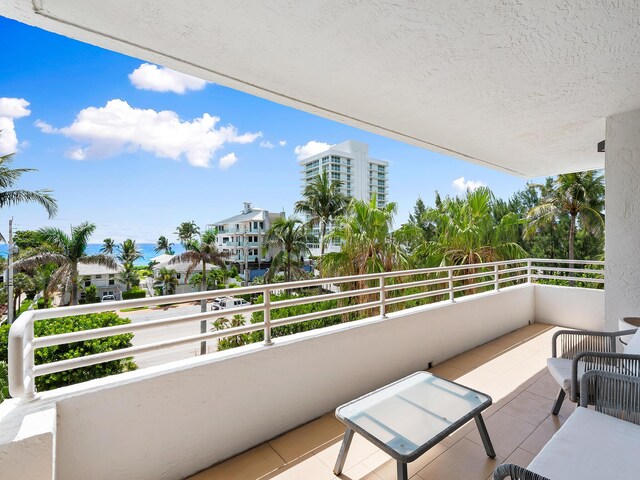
(134, 293)
(43, 303)
(4, 382)
(56, 353)
(91, 294)
(28, 239)
(276, 313)
(24, 306)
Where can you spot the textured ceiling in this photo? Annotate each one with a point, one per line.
(523, 87)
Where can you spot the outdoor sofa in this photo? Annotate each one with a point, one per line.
(599, 443)
(574, 352)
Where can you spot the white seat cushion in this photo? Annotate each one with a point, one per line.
(560, 370)
(633, 346)
(591, 445)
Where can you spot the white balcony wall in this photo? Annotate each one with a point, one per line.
(171, 421)
(570, 307)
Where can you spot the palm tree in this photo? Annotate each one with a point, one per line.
(70, 251)
(163, 245)
(187, 231)
(368, 246)
(8, 178)
(580, 196)
(466, 232)
(129, 275)
(128, 252)
(22, 283)
(108, 246)
(168, 280)
(289, 236)
(323, 202)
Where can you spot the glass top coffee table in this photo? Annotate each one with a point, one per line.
(408, 417)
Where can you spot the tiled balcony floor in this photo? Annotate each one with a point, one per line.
(512, 369)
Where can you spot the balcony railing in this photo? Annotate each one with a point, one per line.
(371, 295)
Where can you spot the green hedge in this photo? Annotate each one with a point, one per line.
(4, 382)
(78, 349)
(134, 293)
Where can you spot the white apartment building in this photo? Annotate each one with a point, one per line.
(362, 177)
(242, 236)
(105, 279)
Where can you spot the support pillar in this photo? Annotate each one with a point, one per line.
(622, 243)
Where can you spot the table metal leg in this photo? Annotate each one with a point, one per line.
(402, 471)
(486, 441)
(344, 449)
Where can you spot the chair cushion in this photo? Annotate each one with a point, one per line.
(633, 347)
(560, 369)
(591, 445)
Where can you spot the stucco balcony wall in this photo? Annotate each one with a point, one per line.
(171, 421)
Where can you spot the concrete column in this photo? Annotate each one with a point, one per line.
(622, 243)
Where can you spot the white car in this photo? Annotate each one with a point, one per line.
(228, 302)
(108, 298)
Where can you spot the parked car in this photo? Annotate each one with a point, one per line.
(228, 302)
(108, 298)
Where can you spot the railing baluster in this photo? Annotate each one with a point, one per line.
(383, 298)
(267, 316)
(450, 277)
(496, 283)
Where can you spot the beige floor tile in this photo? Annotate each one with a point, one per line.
(459, 434)
(308, 437)
(506, 433)
(464, 461)
(520, 457)
(541, 435)
(388, 471)
(309, 469)
(529, 407)
(360, 471)
(466, 361)
(251, 465)
(444, 370)
(546, 387)
(360, 449)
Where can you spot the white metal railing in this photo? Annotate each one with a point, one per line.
(371, 292)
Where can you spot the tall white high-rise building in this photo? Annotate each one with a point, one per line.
(361, 176)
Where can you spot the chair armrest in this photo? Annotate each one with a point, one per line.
(515, 472)
(613, 394)
(619, 363)
(574, 341)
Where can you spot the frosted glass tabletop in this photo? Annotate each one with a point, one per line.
(413, 414)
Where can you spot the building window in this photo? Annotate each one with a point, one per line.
(112, 282)
(87, 283)
(98, 277)
(178, 276)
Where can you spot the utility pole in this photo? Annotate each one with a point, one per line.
(10, 312)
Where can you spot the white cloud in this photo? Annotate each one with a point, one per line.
(310, 148)
(116, 127)
(161, 79)
(282, 143)
(463, 185)
(266, 144)
(228, 160)
(10, 109)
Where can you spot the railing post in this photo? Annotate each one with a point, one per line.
(450, 277)
(383, 298)
(22, 382)
(496, 283)
(266, 295)
(529, 270)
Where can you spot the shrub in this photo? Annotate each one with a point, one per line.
(134, 293)
(78, 349)
(24, 306)
(4, 382)
(91, 294)
(42, 303)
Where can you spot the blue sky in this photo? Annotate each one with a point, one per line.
(99, 140)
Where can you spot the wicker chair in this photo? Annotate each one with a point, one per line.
(612, 395)
(574, 352)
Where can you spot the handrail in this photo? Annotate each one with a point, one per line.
(379, 293)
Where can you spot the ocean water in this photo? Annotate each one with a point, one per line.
(147, 250)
